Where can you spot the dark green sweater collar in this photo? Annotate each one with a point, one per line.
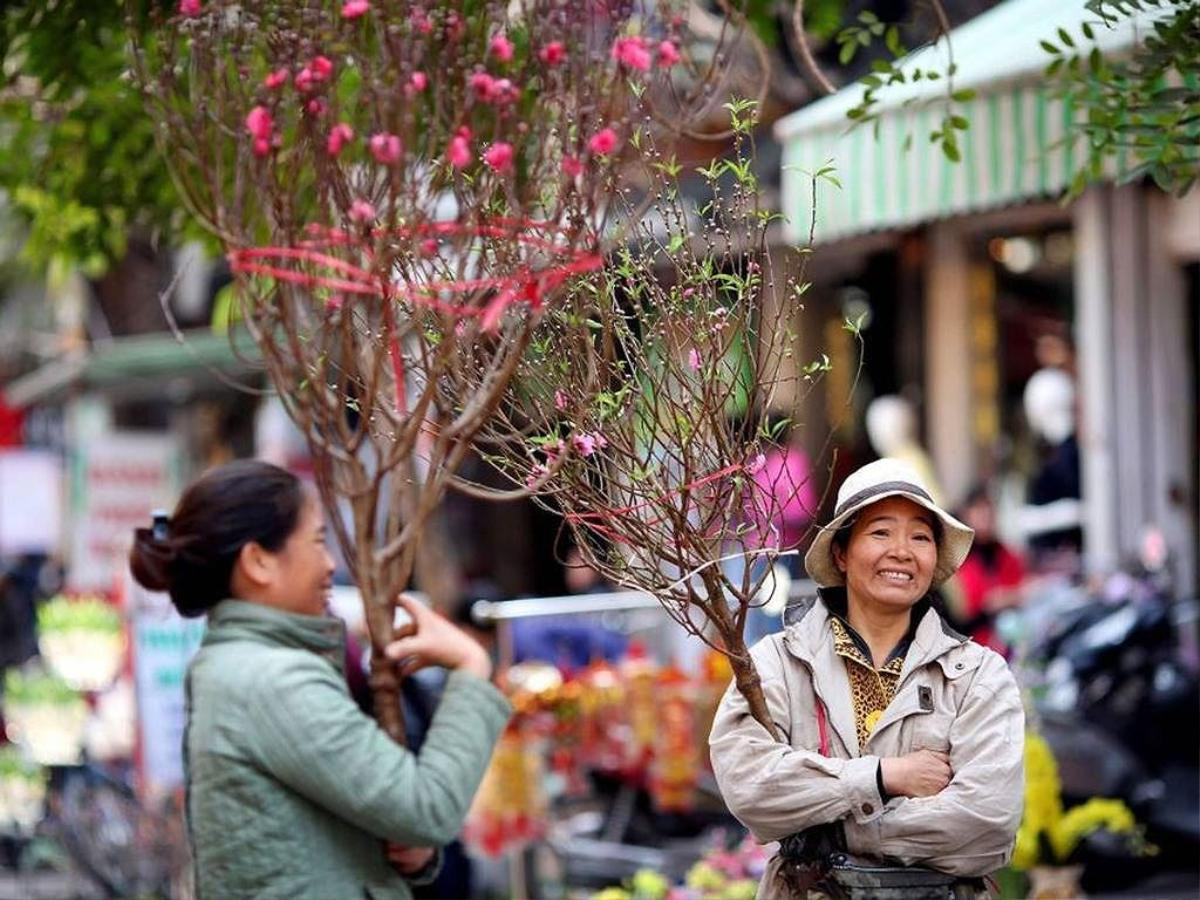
(240, 620)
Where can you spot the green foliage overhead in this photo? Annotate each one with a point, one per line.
(1142, 110)
(80, 167)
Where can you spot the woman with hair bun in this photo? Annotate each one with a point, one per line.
(292, 790)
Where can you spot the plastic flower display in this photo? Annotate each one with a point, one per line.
(82, 641)
(22, 791)
(45, 716)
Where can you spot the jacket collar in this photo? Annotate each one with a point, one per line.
(808, 636)
(240, 620)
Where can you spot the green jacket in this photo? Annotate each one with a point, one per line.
(291, 789)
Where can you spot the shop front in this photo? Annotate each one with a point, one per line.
(993, 279)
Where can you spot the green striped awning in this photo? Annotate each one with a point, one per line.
(1012, 151)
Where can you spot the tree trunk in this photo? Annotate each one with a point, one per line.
(749, 685)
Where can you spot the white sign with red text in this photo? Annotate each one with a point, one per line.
(121, 478)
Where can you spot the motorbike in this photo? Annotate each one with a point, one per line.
(1115, 679)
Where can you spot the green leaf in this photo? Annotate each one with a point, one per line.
(1065, 38)
(892, 41)
(1048, 47)
(847, 52)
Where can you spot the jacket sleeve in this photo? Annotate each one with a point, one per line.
(969, 827)
(772, 788)
(313, 738)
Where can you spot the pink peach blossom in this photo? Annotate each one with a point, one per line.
(260, 124)
(499, 156)
(417, 82)
(276, 78)
(339, 135)
(553, 53)
(316, 107)
(422, 22)
(501, 47)
(537, 472)
(694, 360)
(322, 68)
(483, 84)
(668, 54)
(386, 148)
(304, 80)
(352, 9)
(572, 167)
(631, 52)
(362, 211)
(603, 142)
(189, 8)
(429, 247)
(459, 152)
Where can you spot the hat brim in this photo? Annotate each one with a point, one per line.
(952, 549)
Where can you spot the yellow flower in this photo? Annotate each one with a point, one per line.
(1082, 820)
(704, 877)
(1043, 800)
(649, 885)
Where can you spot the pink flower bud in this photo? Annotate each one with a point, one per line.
(553, 53)
(668, 54)
(421, 21)
(352, 9)
(429, 247)
(334, 302)
(459, 152)
(483, 84)
(189, 8)
(501, 47)
(362, 211)
(276, 78)
(316, 107)
(305, 80)
(322, 68)
(499, 156)
(340, 135)
(259, 123)
(694, 360)
(417, 82)
(385, 148)
(572, 167)
(262, 146)
(631, 52)
(603, 142)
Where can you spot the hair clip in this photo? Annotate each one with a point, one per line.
(161, 521)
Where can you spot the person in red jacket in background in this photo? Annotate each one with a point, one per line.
(992, 577)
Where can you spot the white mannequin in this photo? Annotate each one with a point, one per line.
(1050, 410)
(892, 431)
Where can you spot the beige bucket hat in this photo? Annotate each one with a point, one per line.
(873, 482)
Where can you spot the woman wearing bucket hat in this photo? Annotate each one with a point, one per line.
(900, 771)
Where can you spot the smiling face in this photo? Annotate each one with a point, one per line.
(890, 556)
(298, 576)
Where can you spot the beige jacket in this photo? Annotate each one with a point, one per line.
(953, 695)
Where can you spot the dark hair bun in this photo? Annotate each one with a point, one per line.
(151, 560)
(222, 511)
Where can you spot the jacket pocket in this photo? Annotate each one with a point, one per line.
(931, 732)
